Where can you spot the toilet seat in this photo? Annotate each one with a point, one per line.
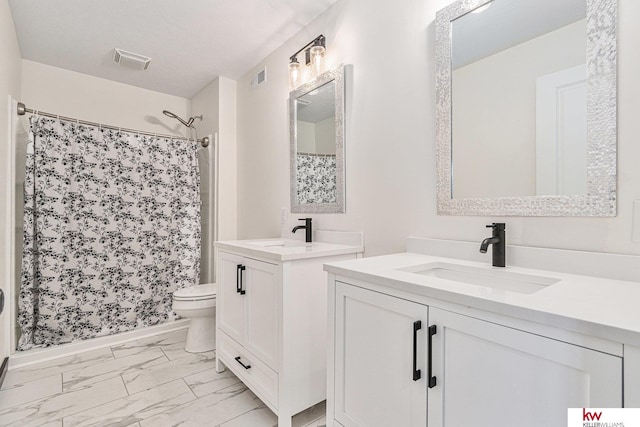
(196, 293)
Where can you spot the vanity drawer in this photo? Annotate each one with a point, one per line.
(259, 377)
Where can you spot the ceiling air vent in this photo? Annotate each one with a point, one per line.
(130, 59)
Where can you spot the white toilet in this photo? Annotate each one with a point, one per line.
(198, 303)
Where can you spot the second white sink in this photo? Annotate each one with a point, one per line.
(490, 278)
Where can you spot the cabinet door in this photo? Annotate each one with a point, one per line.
(374, 353)
(262, 299)
(230, 304)
(492, 375)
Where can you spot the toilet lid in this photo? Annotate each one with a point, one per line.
(205, 291)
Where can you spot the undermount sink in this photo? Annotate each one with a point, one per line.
(276, 243)
(490, 278)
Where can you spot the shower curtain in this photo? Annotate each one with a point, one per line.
(316, 178)
(111, 230)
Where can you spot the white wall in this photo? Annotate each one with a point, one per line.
(387, 125)
(325, 136)
(263, 150)
(10, 68)
(205, 103)
(390, 138)
(306, 137)
(316, 138)
(68, 93)
(216, 102)
(494, 113)
(227, 153)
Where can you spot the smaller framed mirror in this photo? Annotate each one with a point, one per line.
(316, 123)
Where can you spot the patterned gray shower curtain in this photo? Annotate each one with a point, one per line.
(316, 178)
(111, 230)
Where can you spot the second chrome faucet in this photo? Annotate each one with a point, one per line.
(498, 242)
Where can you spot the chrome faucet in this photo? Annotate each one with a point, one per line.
(498, 240)
(306, 227)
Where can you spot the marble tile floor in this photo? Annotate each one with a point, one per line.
(147, 382)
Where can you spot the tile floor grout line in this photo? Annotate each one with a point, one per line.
(77, 411)
(231, 396)
(144, 408)
(67, 367)
(40, 398)
(125, 384)
(314, 421)
(112, 353)
(112, 400)
(244, 413)
(101, 403)
(190, 389)
(167, 381)
(164, 352)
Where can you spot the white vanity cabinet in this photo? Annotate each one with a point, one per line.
(248, 305)
(376, 382)
(489, 374)
(271, 318)
(473, 372)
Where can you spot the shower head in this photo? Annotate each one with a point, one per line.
(188, 124)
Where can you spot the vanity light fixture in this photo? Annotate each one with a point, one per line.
(314, 56)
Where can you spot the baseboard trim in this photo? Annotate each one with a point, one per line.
(3, 370)
(20, 359)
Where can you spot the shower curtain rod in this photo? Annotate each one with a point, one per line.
(22, 110)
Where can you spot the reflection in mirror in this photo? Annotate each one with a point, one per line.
(537, 61)
(526, 107)
(316, 145)
(317, 149)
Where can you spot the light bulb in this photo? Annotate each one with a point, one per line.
(317, 60)
(294, 74)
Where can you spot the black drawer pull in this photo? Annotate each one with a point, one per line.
(242, 364)
(239, 269)
(417, 325)
(432, 379)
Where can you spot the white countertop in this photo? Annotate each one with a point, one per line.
(289, 250)
(605, 308)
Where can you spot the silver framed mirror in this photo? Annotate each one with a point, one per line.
(526, 108)
(316, 124)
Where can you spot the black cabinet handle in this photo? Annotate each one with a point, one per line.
(243, 365)
(239, 269)
(432, 379)
(417, 325)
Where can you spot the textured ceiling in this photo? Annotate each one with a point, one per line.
(191, 42)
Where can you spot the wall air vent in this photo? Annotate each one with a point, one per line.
(259, 78)
(130, 59)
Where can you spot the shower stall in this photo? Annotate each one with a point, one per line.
(204, 158)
